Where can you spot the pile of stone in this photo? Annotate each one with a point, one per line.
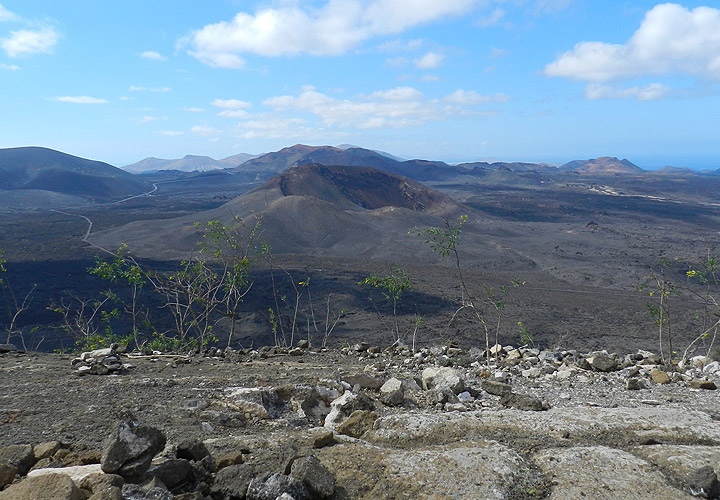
(132, 467)
(100, 362)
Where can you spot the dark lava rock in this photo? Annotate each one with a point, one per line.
(20, 456)
(318, 479)
(129, 451)
(233, 481)
(271, 486)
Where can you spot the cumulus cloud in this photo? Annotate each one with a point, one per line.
(152, 55)
(649, 92)
(135, 88)
(671, 40)
(395, 108)
(81, 99)
(231, 104)
(297, 28)
(431, 60)
(28, 42)
(273, 128)
(9, 67)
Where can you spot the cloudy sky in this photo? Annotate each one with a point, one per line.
(455, 80)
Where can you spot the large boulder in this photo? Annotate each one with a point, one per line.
(44, 487)
(129, 451)
(20, 456)
(316, 477)
(233, 481)
(272, 486)
(603, 473)
(443, 377)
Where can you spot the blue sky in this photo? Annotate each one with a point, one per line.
(459, 80)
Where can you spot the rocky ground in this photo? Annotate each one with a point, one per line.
(358, 422)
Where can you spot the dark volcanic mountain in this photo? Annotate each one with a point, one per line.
(300, 154)
(35, 168)
(603, 165)
(324, 210)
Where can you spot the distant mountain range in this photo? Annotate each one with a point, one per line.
(190, 163)
(37, 170)
(41, 169)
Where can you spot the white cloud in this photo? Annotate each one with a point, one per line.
(273, 128)
(204, 130)
(169, 133)
(430, 78)
(296, 28)
(147, 119)
(472, 98)
(233, 113)
(492, 19)
(649, 92)
(231, 104)
(6, 15)
(671, 40)
(81, 99)
(431, 60)
(27, 42)
(9, 67)
(152, 55)
(395, 108)
(135, 88)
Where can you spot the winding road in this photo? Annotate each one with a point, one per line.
(86, 238)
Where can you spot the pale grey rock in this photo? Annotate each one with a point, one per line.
(681, 461)
(344, 406)
(77, 473)
(262, 403)
(603, 473)
(461, 471)
(438, 377)
(603, 363)
(392, 392)
(664, 424)
(363, 381)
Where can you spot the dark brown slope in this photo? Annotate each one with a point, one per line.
(324, 210)
(46, 169)
(278, 161)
